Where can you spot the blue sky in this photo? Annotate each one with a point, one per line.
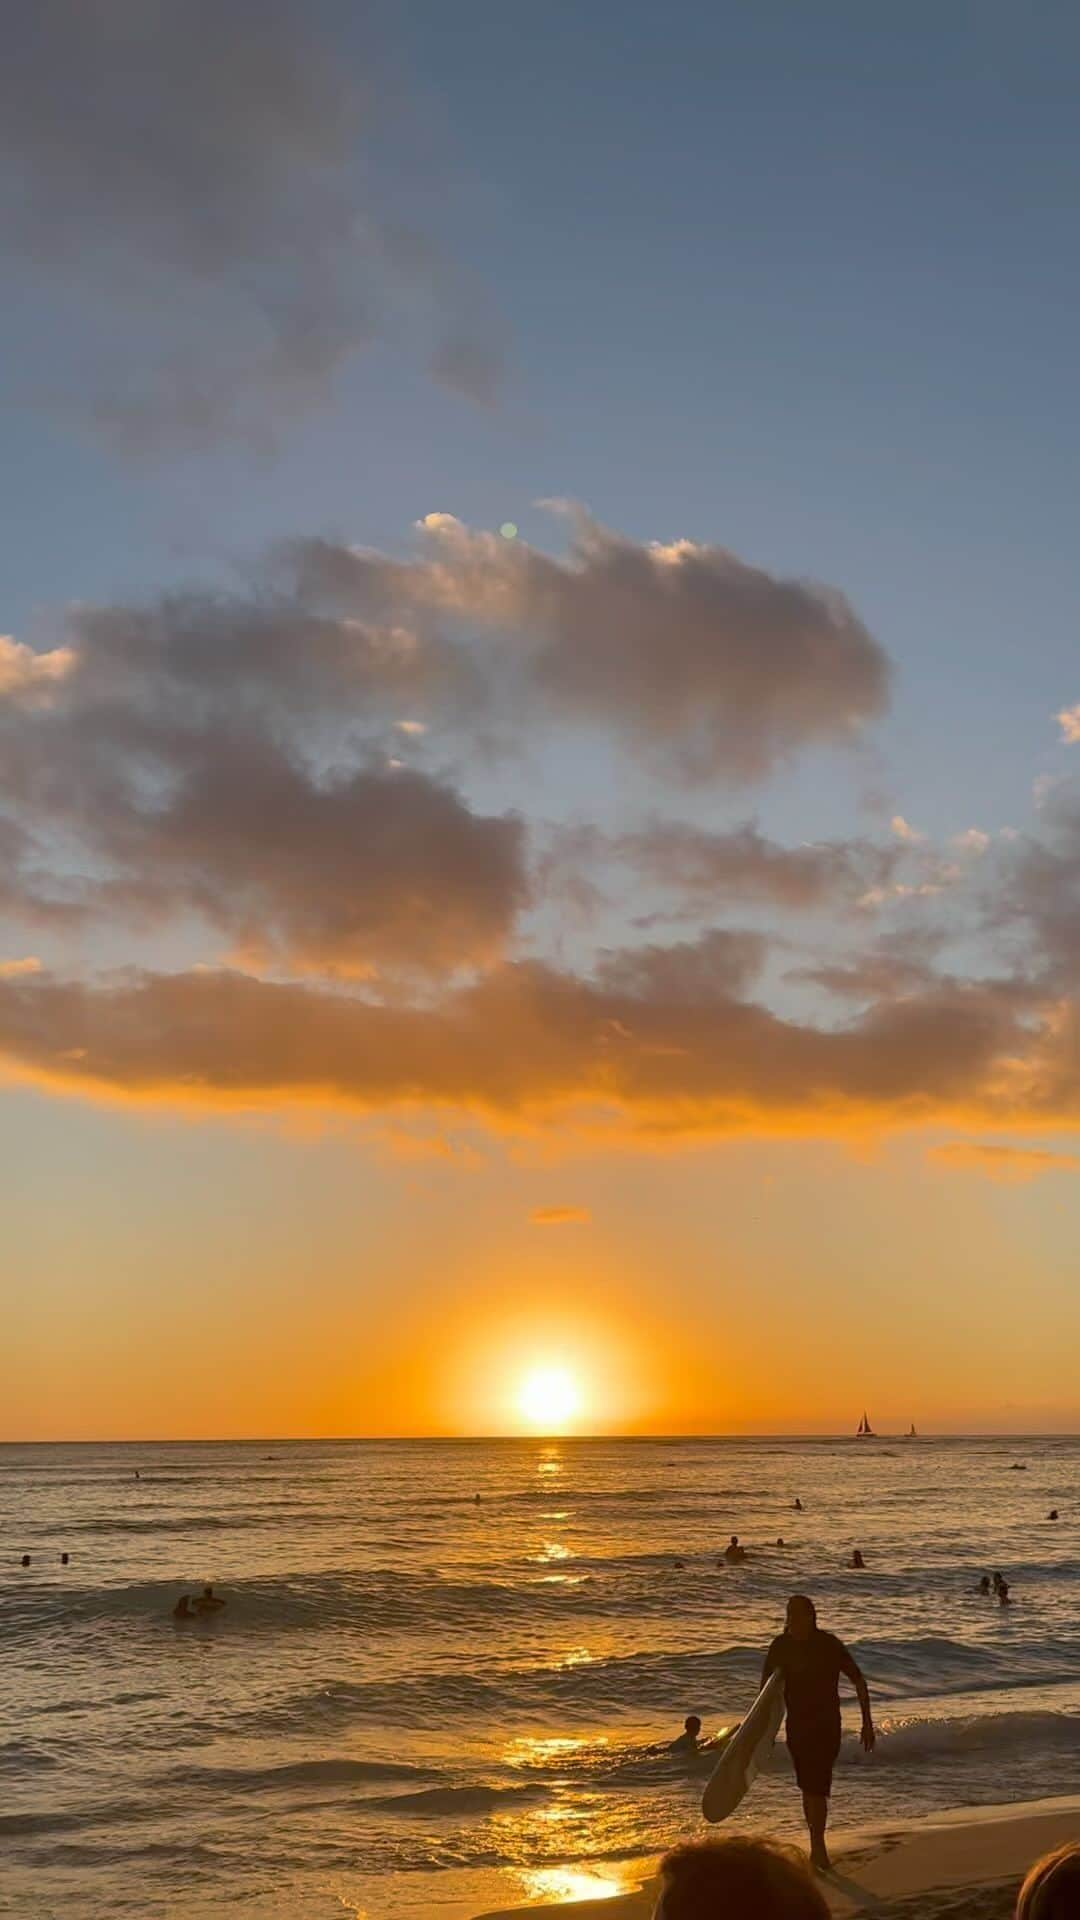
(799, 281)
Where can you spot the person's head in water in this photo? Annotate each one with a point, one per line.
(734, 1541)
(208, 1593)
(1052, 1888)
(857, 1559)
(999, 1579)
(64, 1558)
(984, 1583)
(26, 1559)
(1003, 1593)
(182, 1609)
(740, 1878)
(801, 1618)
(692, 1724)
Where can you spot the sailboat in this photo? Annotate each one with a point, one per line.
(911, 1433)
(865, 1431)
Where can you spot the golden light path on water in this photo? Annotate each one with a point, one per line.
(566, 1884)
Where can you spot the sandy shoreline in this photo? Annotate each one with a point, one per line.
(962, 1865)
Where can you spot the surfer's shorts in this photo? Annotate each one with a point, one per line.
(813, 1753)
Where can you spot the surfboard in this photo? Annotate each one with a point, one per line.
(746, 1752)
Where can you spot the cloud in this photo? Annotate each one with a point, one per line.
(1009, 1164)
(18, 969)
(1069, 722)
(1035, 899)
(220, 758)
(742, 864)
(527, 1045)
(28, 676)
(229, 189)
(904, 831)
(709, 668)
(973, 841)
(720, 962)
(560, 1217)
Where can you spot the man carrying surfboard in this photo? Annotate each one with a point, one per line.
(811, 1662)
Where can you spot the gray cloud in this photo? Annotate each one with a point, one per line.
(222, 758)
(706, 866)
(1035, 901)
(708, 668)
(213, 179)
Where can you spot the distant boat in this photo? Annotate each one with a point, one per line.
(911, 1433)
(865, 1431)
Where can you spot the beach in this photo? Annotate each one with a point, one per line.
(953, 1866)
(445, 1672)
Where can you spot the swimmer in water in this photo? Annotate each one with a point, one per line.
(26, 1559)
(182, 1609)
(733, 1553)
(689, 1740)
(1003, 1595)
(856, 1559)
(1053, 1514)
(984, 1584)
(779, 1540)
(208, 1601)
(999, 1582)
(798, 1504)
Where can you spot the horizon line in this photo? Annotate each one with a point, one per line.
(530, 1439)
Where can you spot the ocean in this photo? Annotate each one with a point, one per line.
(418, 1703)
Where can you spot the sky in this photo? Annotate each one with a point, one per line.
(539, 717)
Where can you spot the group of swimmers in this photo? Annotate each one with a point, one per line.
(27, 1562)
(998, 1586)
(735, 1554)
(192, 1607)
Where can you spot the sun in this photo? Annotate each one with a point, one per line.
(549, 1398)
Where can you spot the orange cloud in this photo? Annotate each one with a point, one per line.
(1001, 1162)
(657, 1054)
(560, 1216)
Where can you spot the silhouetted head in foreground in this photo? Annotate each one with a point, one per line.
(692, 1723)
(1052, 1888)
(801, 1617)
(736, 1879)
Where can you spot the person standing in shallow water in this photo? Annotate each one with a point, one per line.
(811, 1662)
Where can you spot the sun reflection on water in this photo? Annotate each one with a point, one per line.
(565, 1884)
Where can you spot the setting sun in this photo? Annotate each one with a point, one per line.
(549, 1397)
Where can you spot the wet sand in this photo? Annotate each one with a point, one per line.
(965, 1865)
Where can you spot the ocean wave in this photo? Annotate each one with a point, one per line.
(341, 1772)
(904, 1741)
(456, 1800)
(720, 1681)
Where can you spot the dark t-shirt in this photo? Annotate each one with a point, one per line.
(811, 1670)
